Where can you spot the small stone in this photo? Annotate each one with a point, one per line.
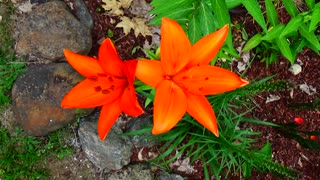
(111, 154)
(310, 90)
(133, 172)
(48, 29)
(37, 95)
(145, 139)
(295, 69)
(170, 177)
(272, 98)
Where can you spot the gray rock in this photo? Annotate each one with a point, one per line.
(111, 154)
(170, 177)
(37, 94)
(83, 13)
(48, 29)
(132, 172)
(145, 139)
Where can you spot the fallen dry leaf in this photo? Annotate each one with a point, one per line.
(137, 24)
(114, 6)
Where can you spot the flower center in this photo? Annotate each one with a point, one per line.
(107, 83)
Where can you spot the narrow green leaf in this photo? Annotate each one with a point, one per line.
(284, 47)
(315, 19)
(273, 33)
(254, 9)
(309, 36)
(310, 3)
(266, 150)
(247, 169)
(292, 26)
(271, 13)
(233, 3)
(290, 7)
(253, 42)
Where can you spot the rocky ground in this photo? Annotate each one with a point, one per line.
(43, 29)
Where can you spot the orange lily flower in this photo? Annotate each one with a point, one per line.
(108, 83)
(183, 77)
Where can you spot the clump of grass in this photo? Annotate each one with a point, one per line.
(233, 152)
(21, 155)
(10, 67)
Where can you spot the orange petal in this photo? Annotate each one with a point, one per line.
(170, 105)
(130, 69)
(200, 109)
(129, 103)
(109, 59)
(149, 72)
(173, 46)
(207, 80)
(91, 93)
(85, 65)
(206, 48)
(108, 116)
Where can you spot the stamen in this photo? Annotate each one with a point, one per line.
(111, 87)
(110, 78)
(102, 75)
(93, 78)
(105, 91)
(206, 78)
(97, 88)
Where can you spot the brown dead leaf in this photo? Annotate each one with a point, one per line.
(114, 6)
(137, 24)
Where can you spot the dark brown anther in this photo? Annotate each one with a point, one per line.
(102, 75)
(110, 78)
(93, 78)
(206, 78)
(97, 88)
(105, 91)
(111, 87)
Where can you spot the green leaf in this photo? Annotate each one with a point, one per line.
(266, 150)
(290, 7)
(233, 3)
(222, 17)
(309, 36)
(179, 10)
(194, 32)
(292, 26)
(273, 33)
(254, 9)
(247, 169)
(271, 13)
(253, 42)
(206, 19)
(315, 19)
(310, 3)
(284, 47)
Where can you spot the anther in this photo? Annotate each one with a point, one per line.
(105, 91)
(102, 75)
(93, 78)
(97, 88)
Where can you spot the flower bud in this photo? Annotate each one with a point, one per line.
(298, 120)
